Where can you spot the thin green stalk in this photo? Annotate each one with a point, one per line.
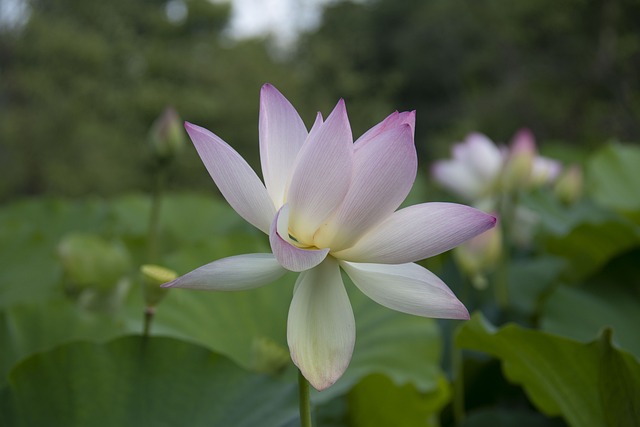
(305, 401)
(148, 318)
(153, 237)
(154, 216)
(458, 385)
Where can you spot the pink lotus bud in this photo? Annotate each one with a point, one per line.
(519, 163)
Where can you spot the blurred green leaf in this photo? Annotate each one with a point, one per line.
(377, 402)
(506, 417)
(29, 232)
(589, 246)
(530, 279)
(405, 348)
(136, 382)
(92, 261)
(585, 234)
(561, 376)
(619, 382)
(613, 178)
(29, 328)
(581, 314)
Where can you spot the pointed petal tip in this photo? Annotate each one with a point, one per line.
(168, 284)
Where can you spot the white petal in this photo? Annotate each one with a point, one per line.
(384, 170)
(322, 174)
(282, 133)
(321, 330)
(418, 232)
(408, 288)
(237, 182)
(459, 178)
(483, 156)
(235, 273)
(286, 252)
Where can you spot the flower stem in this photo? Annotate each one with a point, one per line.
(458, 385)
(152, 238)
(148, 318)
(305, 402)
(154, 216)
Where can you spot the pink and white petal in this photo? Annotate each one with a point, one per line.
(418, 232)
(234, 273)
(282, 133)
(321, 329)
(288, 254)
(235, 179)
(322, 174)
(392, 120)
(408, 288)
(383, 173)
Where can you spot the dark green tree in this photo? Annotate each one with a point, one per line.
(82, 82)
(567, 70)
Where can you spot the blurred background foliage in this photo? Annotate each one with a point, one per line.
(82, 88)
(82, 81)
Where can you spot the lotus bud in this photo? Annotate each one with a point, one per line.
(268, 356)
(569, 185)
(480, 255)
(166, 136)
(152, 277)
(519, 162)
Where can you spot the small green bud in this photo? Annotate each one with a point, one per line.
(152, 277)
(167, 136)
(569, 186)
(479, 256)
(268, 356)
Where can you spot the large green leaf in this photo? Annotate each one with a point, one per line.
(563, 377)
(136, 382)
(29, 328)
(613, 178)
(377, 402)
(581, 314)
(29, 232)
(406, 348)
(589, 246)
(196, 230)
(530, 279)
(585, 234)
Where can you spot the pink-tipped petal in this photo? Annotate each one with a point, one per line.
(392, 120)
(235, 273)
(282, 133)
(408, 288)
(418, 232)
(322, 174)
(288, 255)
(235, 179)
(321, 329)
(383, 173)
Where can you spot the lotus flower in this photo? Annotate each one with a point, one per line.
(480, 169)
(329, 203)
(475, 169)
